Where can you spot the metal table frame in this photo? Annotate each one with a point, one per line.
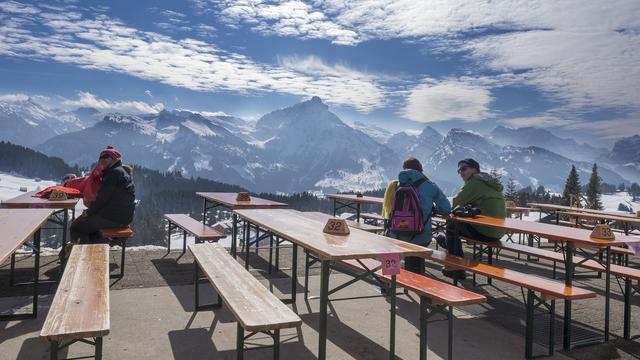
(35, 247)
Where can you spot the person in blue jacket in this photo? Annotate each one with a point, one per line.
(430, 196)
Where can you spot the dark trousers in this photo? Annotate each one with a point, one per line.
(86, 228)
(414, 264)
(455, 230)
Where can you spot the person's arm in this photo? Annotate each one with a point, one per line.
(468, 194)
(443, 206)
(105, 193)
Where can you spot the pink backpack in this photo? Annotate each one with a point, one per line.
(406, 215)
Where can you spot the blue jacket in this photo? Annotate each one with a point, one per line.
(430, 195)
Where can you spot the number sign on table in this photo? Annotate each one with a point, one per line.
(336, 227)
(390, 264)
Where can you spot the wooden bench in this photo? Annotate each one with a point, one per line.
(191, 226)
(548, 289)
(80, 307)
(118, 236)
(435, 297)
(371, 218)
(254, 307)
(628, 274)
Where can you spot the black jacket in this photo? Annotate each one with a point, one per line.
(115, 199)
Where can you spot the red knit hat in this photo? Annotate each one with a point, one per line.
(112, 152)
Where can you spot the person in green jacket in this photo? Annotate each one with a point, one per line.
(484, 192)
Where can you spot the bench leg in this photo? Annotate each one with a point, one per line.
(528, 345)
(98, 342)
(627, 308)
(184, 241)
(169, 239)
(278, 241)
(54, 350)
(490, 249)
(552, 327)
(276, 344)
(123, 246)
(240, 343)
(247, 238)
(423, 328)
(197, 279)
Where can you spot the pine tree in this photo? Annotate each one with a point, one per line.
(572, 188)
(634, 189)
(593, 190)
(511, 193)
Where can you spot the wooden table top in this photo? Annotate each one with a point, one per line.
(80, 308)
(575, 209)
(352, 224)
(28, 200)
(228, 199)
(17, 226)
(628, 220)
(354, 198)
(517, 209)
(298, 228)
(547, 231)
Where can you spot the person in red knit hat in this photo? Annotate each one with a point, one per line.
(114, 203)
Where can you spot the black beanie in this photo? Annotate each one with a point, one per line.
(470, 162)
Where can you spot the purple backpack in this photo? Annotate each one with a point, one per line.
(406, 215)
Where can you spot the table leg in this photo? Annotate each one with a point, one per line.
(65, 227)
(334, 207)
(36, 273)
(568, 280)
(294, 273)
(392, 324)
(204, 211)
(324, 294)
(607, 293)
(234, 234)
(358, 212)
(247, 238)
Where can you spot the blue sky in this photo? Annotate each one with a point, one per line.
(571, 66)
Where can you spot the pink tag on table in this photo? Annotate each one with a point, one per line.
(526, 212)
(37, 206)
(635, 246)
(390, 264)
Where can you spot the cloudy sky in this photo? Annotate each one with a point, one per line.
(573, 66)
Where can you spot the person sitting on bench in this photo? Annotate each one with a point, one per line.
(482, 191)
(114, 203)
(430, 197)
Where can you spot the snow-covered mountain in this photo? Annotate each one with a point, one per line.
(528, 166)
(28, 123)
(377, 133)
(303, 147)
(531, 136)
(420, 146)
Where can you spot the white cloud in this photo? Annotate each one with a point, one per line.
(86, 99)
(148, 93)
(102, 43)
(445, 100)
(10, 98)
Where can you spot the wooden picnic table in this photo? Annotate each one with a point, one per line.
(554, 209)
(570, 239)
(228, 201)
(301, 230)
(353, 202)
(17, 227)
(28, 200)
(627, 221)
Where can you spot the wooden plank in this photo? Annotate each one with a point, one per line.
(294, 226)
(353, 224)
(18, 226)
(29, 200)
(80, 308)
(355, 199)
(194, 227)
(616, 270)
(547, 231)
(551, 288)
(439, 292)
(255, 308)
(229, 200)
(372, 216)
(117, 233)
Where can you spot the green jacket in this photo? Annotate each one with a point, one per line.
(484, 192)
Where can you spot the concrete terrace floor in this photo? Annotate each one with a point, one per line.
(152, 317)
